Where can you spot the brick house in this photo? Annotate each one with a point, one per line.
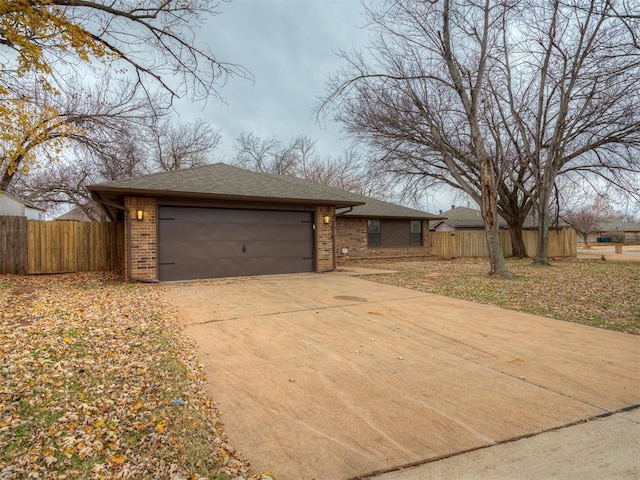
(223, 221)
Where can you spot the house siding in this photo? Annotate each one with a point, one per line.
(141, 239)
(351, 234)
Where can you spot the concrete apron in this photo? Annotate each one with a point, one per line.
(325, 376)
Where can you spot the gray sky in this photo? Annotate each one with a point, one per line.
(289, 46)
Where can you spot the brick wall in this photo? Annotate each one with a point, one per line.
(325, 260)
(141, 239)
(352, 234)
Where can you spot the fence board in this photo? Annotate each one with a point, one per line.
(13, 244)
(67, 246)
(473, 243)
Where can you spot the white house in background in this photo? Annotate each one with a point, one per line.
(12, 206)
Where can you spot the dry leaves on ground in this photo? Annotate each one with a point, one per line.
(99, 382)
(592, 292)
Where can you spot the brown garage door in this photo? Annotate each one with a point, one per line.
(216, 242)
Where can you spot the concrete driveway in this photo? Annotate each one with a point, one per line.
(327, 376)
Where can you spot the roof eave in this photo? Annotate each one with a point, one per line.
(99, 190)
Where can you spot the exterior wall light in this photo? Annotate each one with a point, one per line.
(139, 215)
(326, 219)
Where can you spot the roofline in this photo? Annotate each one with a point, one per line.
(98, 190)
(412, 217)
(22, 201)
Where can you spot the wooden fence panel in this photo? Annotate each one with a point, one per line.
(473, 243)
(67, 246)
(13, 245)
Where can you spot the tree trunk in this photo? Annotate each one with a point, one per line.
(517, 241)
(489, 208)
(543, 230)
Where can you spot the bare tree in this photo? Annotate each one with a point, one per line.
(179, 146)
(511, 94)
(95, 118)
(420, 98)
(584, 220)
(154, 41)
(268, 155)
(568, 98)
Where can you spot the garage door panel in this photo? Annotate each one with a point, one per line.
(207, 242)
(231, 216)
(232, 249)
(233, 267)
(207, 232)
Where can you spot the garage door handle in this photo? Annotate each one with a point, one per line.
(167, 263)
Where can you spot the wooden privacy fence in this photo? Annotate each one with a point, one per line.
(13, 245)
(473, 243)
(60, 247)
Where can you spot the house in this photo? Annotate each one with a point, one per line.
(223, 221)
(79, 214)
(462, 218)
(616, 231)
(13, 206)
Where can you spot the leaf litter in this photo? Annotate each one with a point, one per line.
(99, 382)
(588, 291)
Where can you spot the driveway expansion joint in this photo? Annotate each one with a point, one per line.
(419, 463)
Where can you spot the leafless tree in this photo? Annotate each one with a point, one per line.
(95, 118)
(348, 171)
(269, 155)
(152, 41)
(179, 146)
(511, 94)
(584, 220)
(420, 98)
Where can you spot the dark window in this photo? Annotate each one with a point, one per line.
(373, 233)
(394, 233)
(416, 233)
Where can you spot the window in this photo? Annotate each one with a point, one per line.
(373, 233)
(416, 233)
(389, 232)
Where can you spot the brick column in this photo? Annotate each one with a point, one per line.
(325, 255)
(141, 239)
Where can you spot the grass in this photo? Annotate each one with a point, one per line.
(99, 384)
(587, 291)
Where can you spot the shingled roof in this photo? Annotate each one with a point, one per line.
(221, 182)
(369, 207)
(225, 182)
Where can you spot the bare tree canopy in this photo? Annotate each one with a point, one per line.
(419, 97)
(504, 94)
(96, 118)
(54, 52)
(348, 171)
(153, 39)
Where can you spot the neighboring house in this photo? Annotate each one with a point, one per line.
(12, 206)
(223, 221)
(462, 218)
(616, 231)
(78, 214)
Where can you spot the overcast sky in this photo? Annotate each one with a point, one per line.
(290, 48)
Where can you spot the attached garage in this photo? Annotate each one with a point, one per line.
(222, 221)
(197, 242)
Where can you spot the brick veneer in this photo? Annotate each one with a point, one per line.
(325, 260)
(351, 233)
(141, 239)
